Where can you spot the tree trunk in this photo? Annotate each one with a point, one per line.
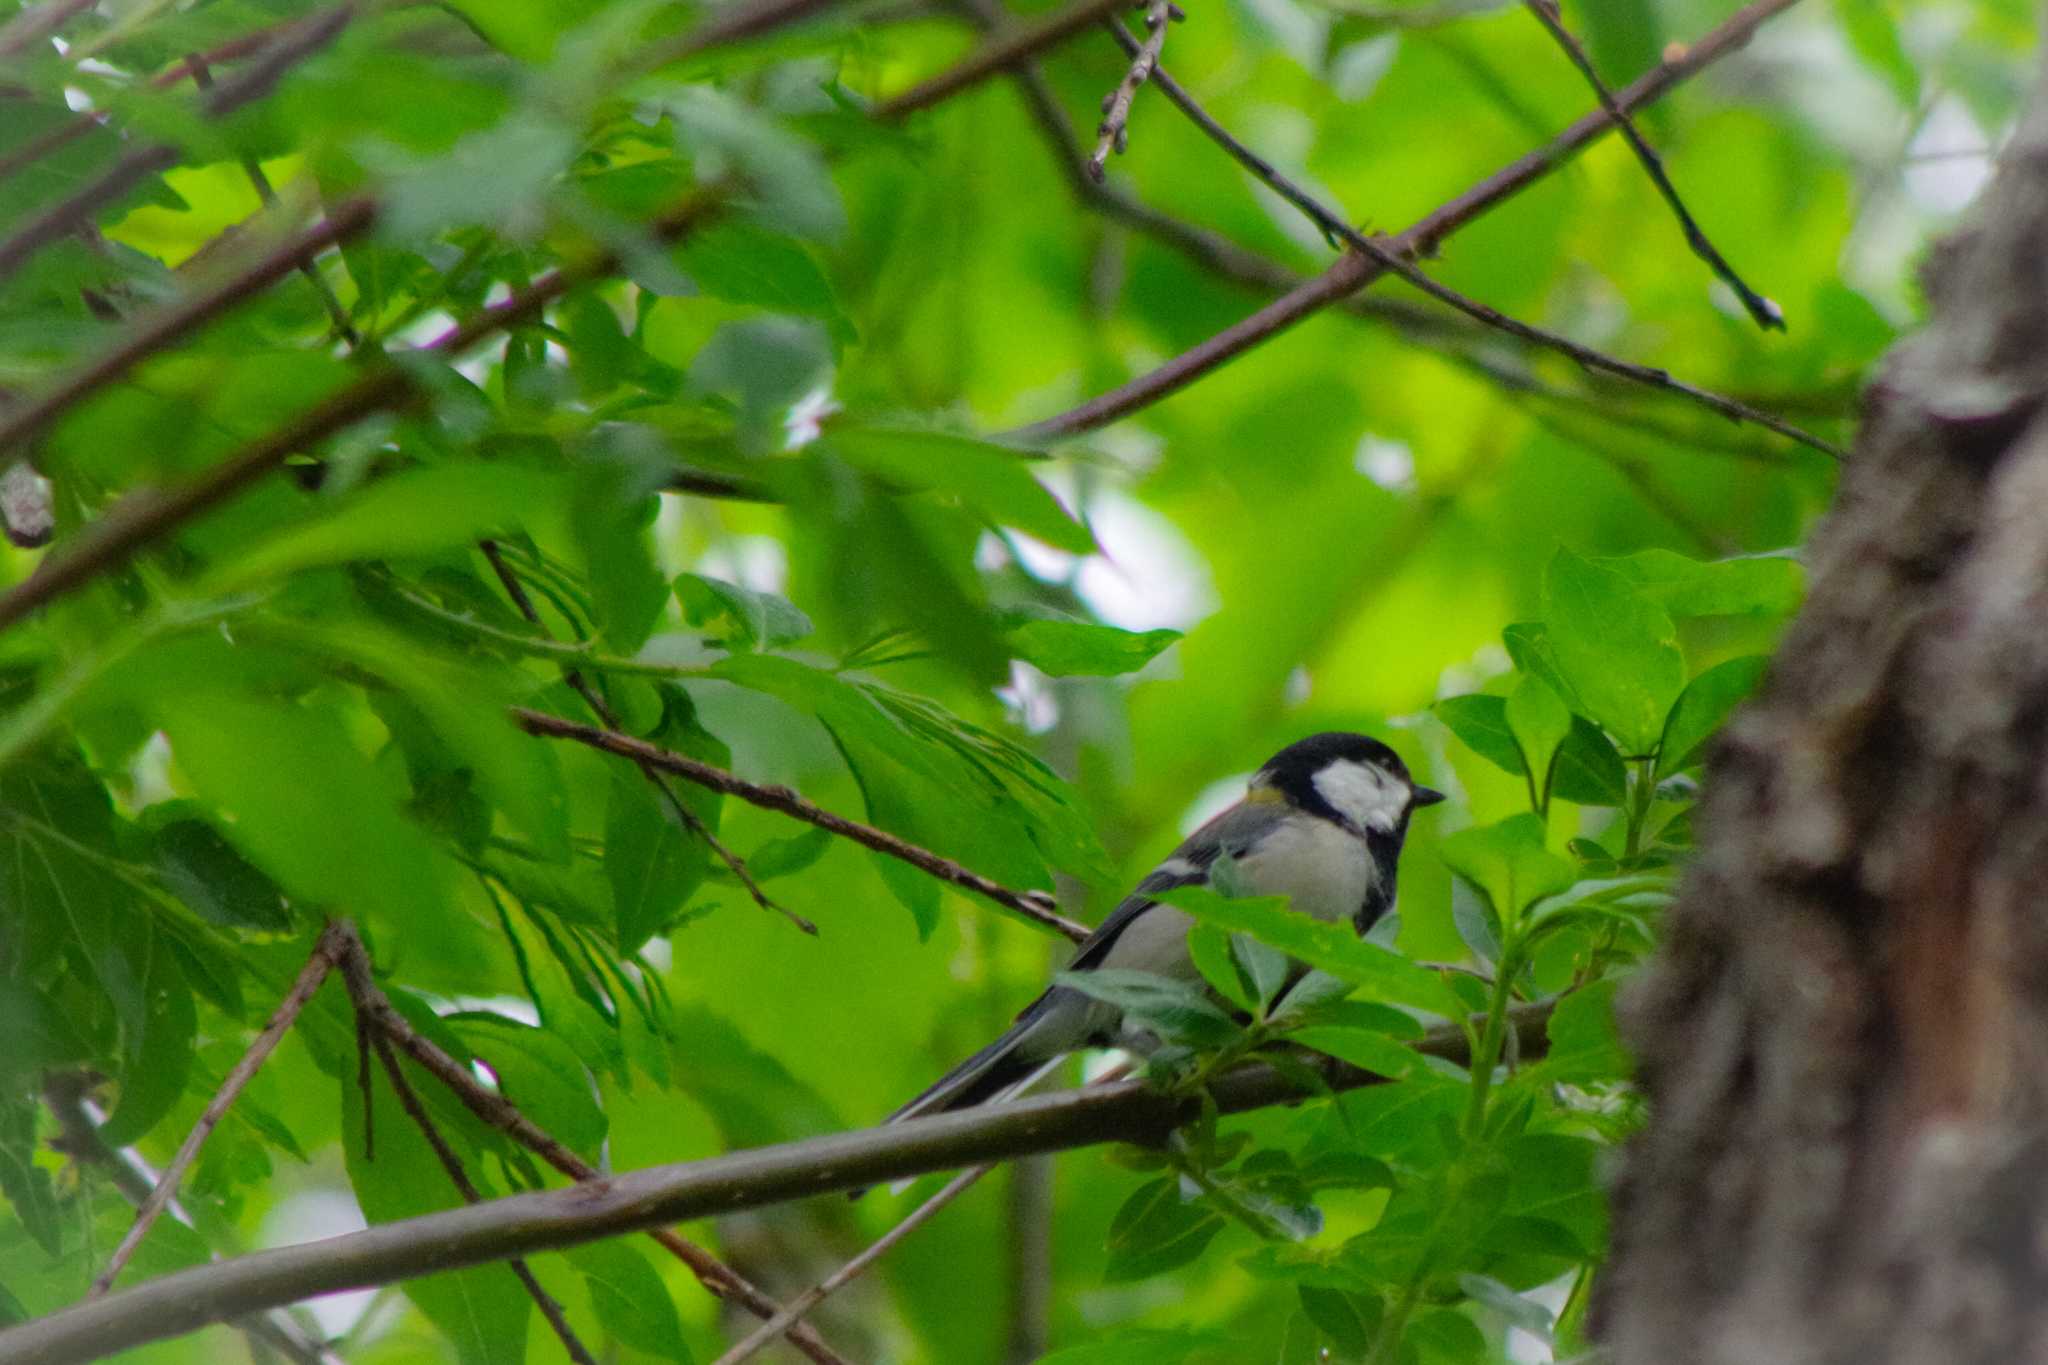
(1845, 1042)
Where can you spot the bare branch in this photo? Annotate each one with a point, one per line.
(318, 963)
(1112, 135)
(409, 1101)
(1766, 313)
(1334, 227)
(1032, 905)
(766, 1334)
(1130, 1111)
(1354, 271)
(495, 1110)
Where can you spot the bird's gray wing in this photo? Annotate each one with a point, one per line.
(1236, 829)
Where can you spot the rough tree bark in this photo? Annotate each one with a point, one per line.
(1845, 1041)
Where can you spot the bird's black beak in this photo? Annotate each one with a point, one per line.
(1427, 796)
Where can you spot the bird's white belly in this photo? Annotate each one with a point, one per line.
(1323, 868)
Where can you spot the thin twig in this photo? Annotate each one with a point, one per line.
(78, 1137)
(603, 711)
(61, 218)
(33, 26)
(1033, 905)
(409, 1101)
(1353, 272)
(767, 1332)
(376, 1011)
(310, 976)
(1130, 1111)
(1765, 313)
(1387, 256)
(1113, 135)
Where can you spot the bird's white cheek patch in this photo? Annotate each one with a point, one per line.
(1363, 794)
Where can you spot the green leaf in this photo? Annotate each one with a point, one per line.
(629, 1299)
(1349, 1319)
(1874, 35)
(351, 849)
(1209, 948)
(1482, 723)
(1507, 862)
(1136, 1346)
(1156, 1230)
(1443, 1337)
(787, 856)
(1265, 967)
(745, 263)
(27, 1185)
(1068, 649)
(785, 173)
(993, 480)
(482, 1310)
(1178, 1011)
(538, 1071)
(1703, 707)
(652, 861)
(1540, 723)
(1619, 649)
(1329, 947)
(1724, 587)
(1533, 651)
(156, 1058)
(416, 512)
(1589, 769)
(1363, 1048)
(1584, 1044)
(203, 870)
(759, 618)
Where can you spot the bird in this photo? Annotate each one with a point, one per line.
(1321, 822)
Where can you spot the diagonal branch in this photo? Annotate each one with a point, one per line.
(1334, 225)
(409, 1101)
(766, 1334)
(1002, 53)
(1355, 271)
(1766, 313)
(1033, 905)
(1130, 1111)
(375, 1009)
(603, 711)
(318, 963)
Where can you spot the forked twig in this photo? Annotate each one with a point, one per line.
(1766, 313)
(409, 1101)
(1113, 133)
(377, 1012)
(318, 963)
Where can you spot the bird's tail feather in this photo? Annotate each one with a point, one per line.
(983, 1077)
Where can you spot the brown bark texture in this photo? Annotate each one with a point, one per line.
(1845, 1041)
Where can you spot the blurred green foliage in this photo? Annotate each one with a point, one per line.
(1546, 590)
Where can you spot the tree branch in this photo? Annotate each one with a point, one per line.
(409, 1101)
(493, 1109)
(1112, 135)
(1354, 271)
(1766, 313)
(290, 48)
(1032, 905)
(1130, 1111)
(318, 963)
(765, 1335)
(1334, 225)
(598, 707)
(1001, 53)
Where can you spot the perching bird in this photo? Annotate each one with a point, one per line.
(1321, 823)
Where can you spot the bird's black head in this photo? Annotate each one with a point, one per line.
(1352, 779)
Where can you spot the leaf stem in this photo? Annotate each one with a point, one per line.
(1487, 1055)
